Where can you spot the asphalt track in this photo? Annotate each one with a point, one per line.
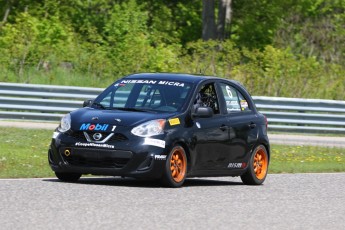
(285, 201)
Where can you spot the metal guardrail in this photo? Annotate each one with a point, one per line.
(41, 102)
(304, 115)
(50, 103)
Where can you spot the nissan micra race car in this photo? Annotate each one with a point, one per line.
(167, 127)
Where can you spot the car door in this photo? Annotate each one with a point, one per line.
(242, 123)
(211, 135)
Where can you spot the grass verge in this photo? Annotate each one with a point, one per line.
(303, 159)
(23, 154)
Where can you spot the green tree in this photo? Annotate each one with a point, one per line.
(315, 29)
(215, 27)
(174, 21)
(254, 23)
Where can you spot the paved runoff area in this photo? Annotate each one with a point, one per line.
(284, 201)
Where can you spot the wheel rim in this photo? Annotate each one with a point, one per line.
(260, 163)
(178, 164)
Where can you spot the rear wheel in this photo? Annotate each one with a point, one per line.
(68, 177)
(257, 168)
(175, 167)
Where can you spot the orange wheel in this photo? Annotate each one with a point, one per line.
(257, 168)
(175, 168)
(260, 163)
(178, 164)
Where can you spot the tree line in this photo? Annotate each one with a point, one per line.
(276, 48)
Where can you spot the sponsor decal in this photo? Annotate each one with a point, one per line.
(231, 102)
(154, 142)
(174, 121)
(233, 109)
(139, 81)
(244, 104)
(237, 165)
(232, 106)
(160, 157)
(93, 127)
(179, 84)
(152, 82)
(80, 144)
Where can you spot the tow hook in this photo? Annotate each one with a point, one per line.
(67, 152)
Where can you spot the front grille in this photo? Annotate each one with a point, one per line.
(97, 158)
(79, 136)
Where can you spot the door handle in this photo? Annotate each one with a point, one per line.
(252, 125)
(224, 127)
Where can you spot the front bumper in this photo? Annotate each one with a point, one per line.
(122, 158)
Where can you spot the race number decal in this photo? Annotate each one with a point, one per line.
(228, 90)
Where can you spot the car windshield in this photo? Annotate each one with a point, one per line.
(144, 95)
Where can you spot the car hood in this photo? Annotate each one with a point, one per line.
(113, 117)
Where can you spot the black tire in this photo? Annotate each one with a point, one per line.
(68, 177)
(175, 170)
(258, 167)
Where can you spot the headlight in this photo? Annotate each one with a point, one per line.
(65, 123)
(150, 128)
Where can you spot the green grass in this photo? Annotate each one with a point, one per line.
(23, 154)
(302, 159)
(57, 76)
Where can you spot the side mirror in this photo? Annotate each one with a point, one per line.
(87, 103)
(203, 112)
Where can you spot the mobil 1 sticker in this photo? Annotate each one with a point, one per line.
(96, 127)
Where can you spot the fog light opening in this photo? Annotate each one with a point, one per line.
(146, 164)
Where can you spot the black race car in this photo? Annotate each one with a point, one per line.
(164, 126)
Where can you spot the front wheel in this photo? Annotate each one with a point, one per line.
(175, 170)
(257, 168)
(68, 177)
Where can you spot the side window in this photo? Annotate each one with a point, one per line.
(207, 97)
(234, 100)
